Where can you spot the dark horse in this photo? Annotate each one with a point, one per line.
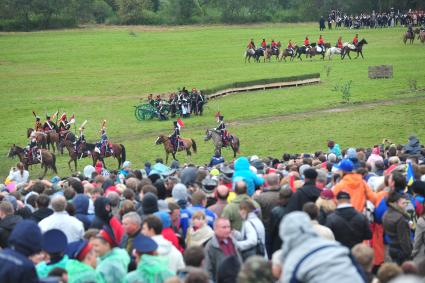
(260, 52)
(41, 138)
(187, 144)
(410, 36)
(313, 50)
(48, 159)
(65, 136)
(299, 50)
(216, 138)
(118, 153)
(359, 49)
(52, 139)
(85, 150)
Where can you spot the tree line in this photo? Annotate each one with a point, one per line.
(25, 15)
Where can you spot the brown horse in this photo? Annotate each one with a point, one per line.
(422, 36)
(48, 159)
(410, 36)
(286, 53)
(187, 144)
(118, 152)
(52, 139)
(84, 151)
(41, 138)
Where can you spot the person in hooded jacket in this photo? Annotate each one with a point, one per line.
(102, 211)
(307, 257)
(307, 193)
(242, 171)
(8, 222)
(152, 227)
(81, 204)
(413, 146)
(16, 265)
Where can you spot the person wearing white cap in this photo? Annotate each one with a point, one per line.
(123, 173)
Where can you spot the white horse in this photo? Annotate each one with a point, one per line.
(331, 51)
(249, 52)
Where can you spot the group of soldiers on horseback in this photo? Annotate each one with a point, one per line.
(182, 103)
(292, 50)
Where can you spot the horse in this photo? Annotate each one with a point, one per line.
(65, 136)
(261, 52)
(118, 152)
(286, 53)
(411, 36)
(422, 36)
(301, 50)
(48, 159)
(316, 50)
(215, 136)
(249, 53)
(52, 138)
(274, 51)
(40, 138)
(331, 51)
(85, 148)
(359, 49)
(169, 148)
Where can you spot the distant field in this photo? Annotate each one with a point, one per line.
(101, 73)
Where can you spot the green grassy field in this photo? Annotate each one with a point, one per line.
(102, 72)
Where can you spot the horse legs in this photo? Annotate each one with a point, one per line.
(174, 156)
(166, 157)
(69, 164)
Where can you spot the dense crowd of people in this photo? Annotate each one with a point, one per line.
(392, 18)
(338, 215)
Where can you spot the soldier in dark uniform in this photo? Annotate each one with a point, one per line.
(63, 125)
(32, 149)
(48, 125)
(175, 136)
(151, 101)
(157, 101)
(222, 128)
(161, 111)
(104, 144)
(200, 101)
(81, 140)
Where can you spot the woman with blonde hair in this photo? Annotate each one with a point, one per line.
(199, 232)
(326, 205)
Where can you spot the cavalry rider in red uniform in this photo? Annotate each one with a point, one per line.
(339, 43)
(251, 44)
(38, 127)
(222, 128)
(264, 44)
(290, 47)
(321, 43)
(356, 40)
(274, 45)
(306, 42)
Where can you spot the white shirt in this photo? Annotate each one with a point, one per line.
(71, 226)
(18, 178)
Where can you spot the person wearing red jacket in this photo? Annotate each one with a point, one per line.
(264, 44)
(273, 44)
(321, 43)
(306, 41)
(339, 43)
(356, 40)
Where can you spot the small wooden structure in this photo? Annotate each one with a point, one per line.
(381, 72)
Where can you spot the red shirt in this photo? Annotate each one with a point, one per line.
(274, 44)
(320, 42)
(339, 44)
(355, 40)
(263, 44)
(170, 236)
(306, 42)
(290, 45)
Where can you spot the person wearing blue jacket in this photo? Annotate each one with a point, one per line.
(242, 171)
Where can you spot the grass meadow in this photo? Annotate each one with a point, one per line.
(102, 72)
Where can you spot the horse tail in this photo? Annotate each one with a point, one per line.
(54, 163)
(194, 145)
(123, 156)
(237, 142)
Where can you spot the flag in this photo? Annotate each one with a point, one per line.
(180, 123)
(54, 115)
(71, 120)
(33, 113)
(410, 176)
(63, 116)
(83, 124)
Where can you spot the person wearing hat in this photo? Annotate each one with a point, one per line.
(24, 242)
(349, 226)
(208, 187)
(49, 125)
(353, 183)
(222, 129)
(151, 268)
(38, 127)
(82, 263)
(175, 136)
(63, 125)
(8, 219)
(104, 143)
(242, 170)
(81, 140)
(125, 170)
(216, 159)
(113, 261)
(54, 244)
(307, 193)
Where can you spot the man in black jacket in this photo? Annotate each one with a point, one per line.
(8, 221)
(348, 226)
(307, 193)
(43, 209)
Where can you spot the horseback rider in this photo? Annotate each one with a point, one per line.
(290, 47)
(321, 43)
(356, 40)
(31, 149)
(104, 143)
(48, 125)
(81, 138)
(63, 125)
(339, 43)
(251, 44)
(264, 44)
(175, 136)
(222, 128)
(306, 42)
(38, 127)
(410, 29)
(274, 45)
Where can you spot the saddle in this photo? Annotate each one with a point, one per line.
(319, 49)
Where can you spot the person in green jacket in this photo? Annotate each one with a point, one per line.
(112, 261)
(151, 268)
(54, 243)
(82, 263)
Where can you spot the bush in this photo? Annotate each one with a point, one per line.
(101, 11)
